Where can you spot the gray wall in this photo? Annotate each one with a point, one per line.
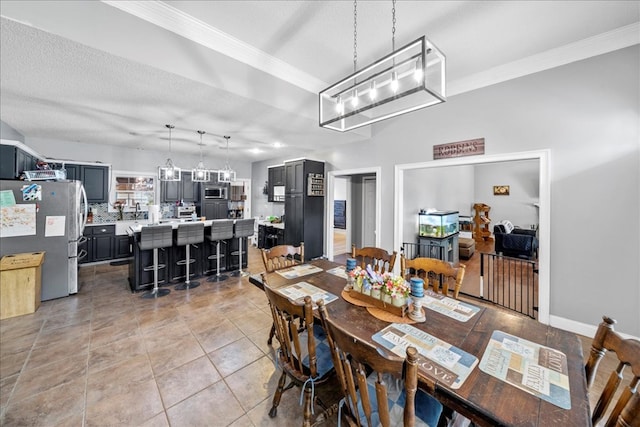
(130, 159)
(7, 132)
(590, 122)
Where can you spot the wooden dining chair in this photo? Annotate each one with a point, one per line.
(381, 261)
(434, 272)
(278, 257)
(304, 354)
(377, 389)
(626, 411)
(282, 256)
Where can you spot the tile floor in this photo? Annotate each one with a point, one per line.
(108, 357)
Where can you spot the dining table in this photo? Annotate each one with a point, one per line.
(486, 399)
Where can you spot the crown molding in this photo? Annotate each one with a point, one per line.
(610, 41)
(191, 28)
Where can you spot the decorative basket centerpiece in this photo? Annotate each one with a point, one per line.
(385, 291)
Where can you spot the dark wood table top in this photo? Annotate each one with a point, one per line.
(484, 399)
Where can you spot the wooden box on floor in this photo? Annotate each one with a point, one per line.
(20, 284)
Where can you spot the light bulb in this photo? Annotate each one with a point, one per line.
(354, 100)
(373, 91)
(394, 82)
(417, 74)
(339, 105)
(170, 172)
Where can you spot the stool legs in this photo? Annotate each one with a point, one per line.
(188, 284)
(218, 277)
(155, 292)
(240, 273)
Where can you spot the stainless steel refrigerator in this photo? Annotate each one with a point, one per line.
(45, 216)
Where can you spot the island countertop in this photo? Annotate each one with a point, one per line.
(174, 223)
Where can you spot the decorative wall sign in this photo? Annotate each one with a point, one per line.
(500, 190)
(470, 147)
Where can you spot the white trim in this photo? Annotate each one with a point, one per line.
(580, 328)
(185, 25)
(544, 233)
(328, 230)
(610, 41)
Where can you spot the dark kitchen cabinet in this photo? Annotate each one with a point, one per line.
(294, 176)
(304, 212)
(13, 161)
(122, 247)
(269, 236)
(100, 243)
(215, 209)
(96, 183)
(95, 179)
(185, 190)
(276, 178)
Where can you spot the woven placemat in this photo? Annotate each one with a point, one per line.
(378, 313)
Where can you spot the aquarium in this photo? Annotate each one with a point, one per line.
(438, 223)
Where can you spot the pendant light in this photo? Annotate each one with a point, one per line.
(409, 78)
(200, 174)
(227, 174)
(169, 172)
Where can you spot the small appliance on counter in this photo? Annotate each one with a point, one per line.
(185, 212)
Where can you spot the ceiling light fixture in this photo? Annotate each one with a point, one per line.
(227, 174)
(200, 174)
(169, 172)
(408, 79)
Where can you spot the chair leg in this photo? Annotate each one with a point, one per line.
(188, 284)
(307, 407)
(155, 292)
(276, 397)
(218, 277)
(272, 333)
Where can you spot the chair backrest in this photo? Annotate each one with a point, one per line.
(244, 227)
(155, 236)
(190, 233)
(352, 359)
(626, 411)
(435, 272)
(221, 229)
(381, 261)
(282, 256)
(292, 319)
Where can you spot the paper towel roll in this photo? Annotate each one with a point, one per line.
(154, 214)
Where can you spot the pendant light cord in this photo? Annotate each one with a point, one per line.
(355, 35)
(201, 132)
(393, 25)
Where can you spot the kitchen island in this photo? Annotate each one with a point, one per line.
(141, 271)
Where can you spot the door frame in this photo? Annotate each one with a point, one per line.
(328, 230)
(544, 211)
(365, 208)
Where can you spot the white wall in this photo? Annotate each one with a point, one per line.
(522, 178)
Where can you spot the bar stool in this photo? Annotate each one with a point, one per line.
(243, 228)
(221, 229)
(155, 237)
(188, 234)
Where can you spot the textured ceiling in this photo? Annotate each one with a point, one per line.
(116, 72)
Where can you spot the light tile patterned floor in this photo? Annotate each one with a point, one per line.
(106, 357)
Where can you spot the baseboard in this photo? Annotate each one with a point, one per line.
(579, 327)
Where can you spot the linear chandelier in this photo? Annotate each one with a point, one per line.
(227, 174)
(169, 172)
(409, 78)
(200, 174)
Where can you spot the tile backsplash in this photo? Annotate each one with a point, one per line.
(101, 214)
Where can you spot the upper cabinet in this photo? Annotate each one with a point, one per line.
(185, 190)
(276, 184)
(13, 161)
(95, 179)
(294, 177)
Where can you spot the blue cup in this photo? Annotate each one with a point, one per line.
(417, 287)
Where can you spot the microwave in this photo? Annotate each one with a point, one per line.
(215, 193)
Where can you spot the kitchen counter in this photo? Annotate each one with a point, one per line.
(137, 227)
(271, 224)
(122, 227)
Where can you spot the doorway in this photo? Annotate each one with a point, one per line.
(542, 157)
(361, 194)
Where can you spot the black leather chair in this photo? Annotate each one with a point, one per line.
(517, 243)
